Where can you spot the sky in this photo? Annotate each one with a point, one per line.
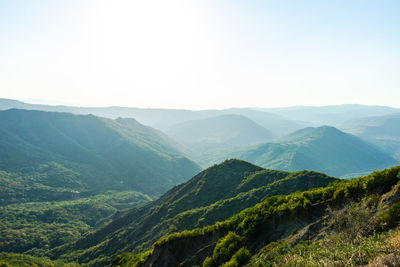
(200, 54)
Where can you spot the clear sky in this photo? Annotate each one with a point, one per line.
(201, 54)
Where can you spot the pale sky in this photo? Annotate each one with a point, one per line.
(201, 54)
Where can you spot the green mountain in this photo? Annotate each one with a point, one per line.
(213, 195)
(347, 223)
(383, 131)
(324, 149)
(47, 156)
(207, 137)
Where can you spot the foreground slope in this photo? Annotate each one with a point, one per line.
(213, 195)
(58, 156)
(324, 149)
(280, 230)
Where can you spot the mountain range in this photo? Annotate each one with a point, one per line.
(164, 119)
(77, 188)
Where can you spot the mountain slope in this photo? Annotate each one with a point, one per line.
(324, 149)
(281, 230)
(210, 136)
(70, 155)
(214, 194)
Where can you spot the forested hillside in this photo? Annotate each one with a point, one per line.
(56, 156)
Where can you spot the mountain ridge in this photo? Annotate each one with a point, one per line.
(90, 147)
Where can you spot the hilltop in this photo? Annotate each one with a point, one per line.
(325, 149)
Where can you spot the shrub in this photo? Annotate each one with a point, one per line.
(390, 217)
(240, 258)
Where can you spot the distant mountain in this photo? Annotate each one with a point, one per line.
(277, 124)
(207, 137)
(324, 149)
(383, 131)
(280, 121)
(55, 156)
(215, 194)
(158, 118)
(163, 119)
(333, 115)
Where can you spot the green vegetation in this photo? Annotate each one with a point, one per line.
(129, 259)
(349, 228)
(323, 149)
(37, 227)
(20, 260)
(228, 252)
